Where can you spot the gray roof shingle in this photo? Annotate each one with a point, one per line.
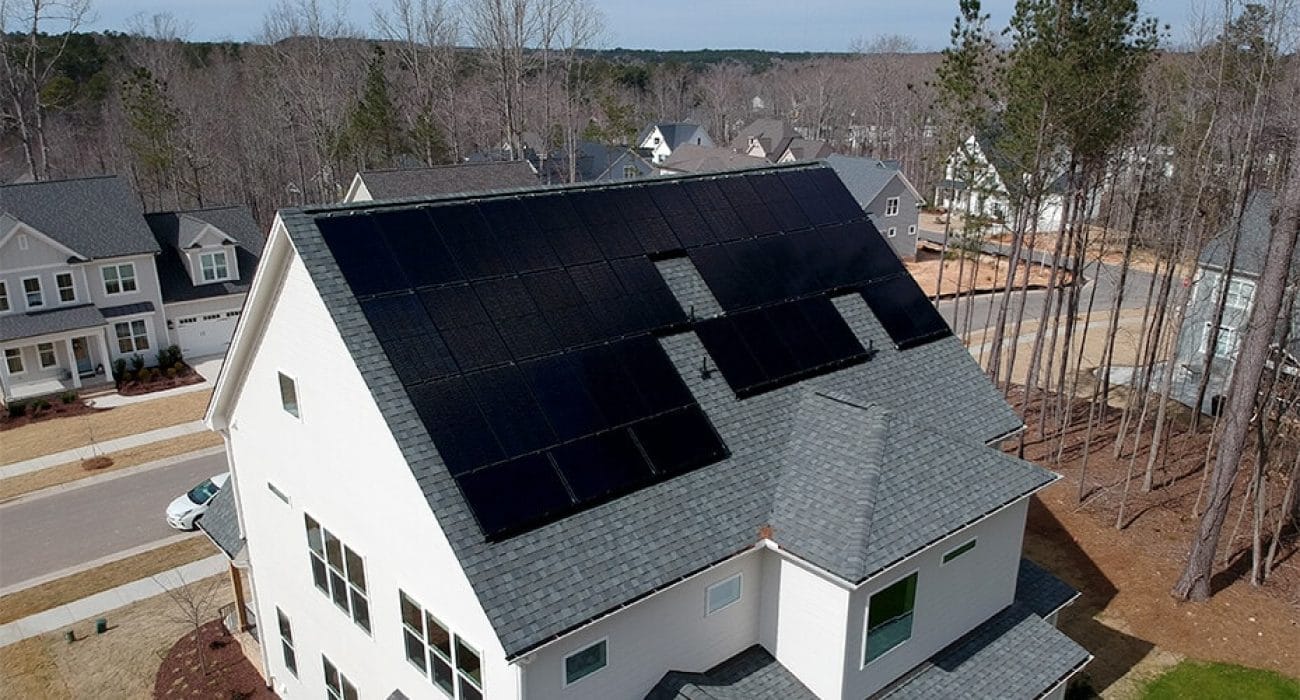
(675, 134)
(703, 159)
(1040, 591)
(221, 522)
(98, 217)
(1015, 654)
(173, 275)
(546, 581)
(751, 674)
(449, 179)
(866, 178)
(774, 135)
(68, 318)
(140, 307)
(1252, 244)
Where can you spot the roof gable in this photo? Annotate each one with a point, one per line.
(99, 217)
(866, 178)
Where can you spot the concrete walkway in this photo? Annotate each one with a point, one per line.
(113, 598)
(122, 443)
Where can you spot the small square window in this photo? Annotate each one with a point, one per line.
(911, 230)
(289, 395)
(722, 594)
(893, 232)
(584, 662)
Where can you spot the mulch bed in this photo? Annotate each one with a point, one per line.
(229, 672)
(56, 409)
(161, 383)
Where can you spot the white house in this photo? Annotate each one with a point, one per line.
(658, 141)
(610, 459)
(87, 279)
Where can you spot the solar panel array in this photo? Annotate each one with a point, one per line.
(522, 327)
(522, 330)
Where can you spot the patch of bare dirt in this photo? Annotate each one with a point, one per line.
(223, 671)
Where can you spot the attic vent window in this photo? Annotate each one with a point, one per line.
(289, 395)
(22, 241)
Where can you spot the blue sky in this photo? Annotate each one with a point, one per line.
(784, 25)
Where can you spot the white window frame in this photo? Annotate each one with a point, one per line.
(40, 290)
(119, 279)
(911, 230)
(41, 349)
(564, 663)
(1224, 332)
(343, 681)
(22, 241)
(708, 593)
(892, 232)
(1240, 293)
(14, 354)
(211, 256)
(5, 306)
(132, 336)
(891, 206)
(287, 649)
(630, 172)
(60, 288)
(297, 398)
(947, 557)
(452, 659)
(350, 591)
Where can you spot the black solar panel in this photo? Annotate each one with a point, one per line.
(599, 466)
(363, 258)
(680, 441)
(510, 497)
(417, 247)
(905, 312)
(769, 347)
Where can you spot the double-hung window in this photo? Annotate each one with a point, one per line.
(891, 206)
(889, 618)
(14, 360)
(4, 296)
(132, 336)
(32, 293)
(67, 290)
(1240, 292)
(337, 685)
(286, 642)
(338, 572)
(1225, 345)
(213, 266)
(45, 352)
(119, 279)
(445, 658)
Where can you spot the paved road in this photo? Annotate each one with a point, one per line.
(64, 530)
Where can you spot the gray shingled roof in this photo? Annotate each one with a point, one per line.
(1015, 654)
(805, 149)
(866, 178)
(750, 675)
(703, 159)
(174, 277)
(140, 307)
(449, 179)
(557, 577)
(1252, 245)
(98, 217)
(68, 318)
(774, 135)
(675, 134)
(1040, 591)
(862, 487)
(221, 522)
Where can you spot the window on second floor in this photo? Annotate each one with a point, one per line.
(213, 266)
(67, 290)
(338, 572)
(1240, 292)
(722, 594)
(958, 551)
(630, 171)
(889, 618)
(893, 231)
(289, 395)
(1225, 345)
(444, 657)
(286, 642)
(337, 685)
(32, 293)
(4, 296)
(891, 206)
(911, 230)
(119, 279)
(585, 661)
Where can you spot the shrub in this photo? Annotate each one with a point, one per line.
(38, 406)
(163, 358)
(125, 377)
(17, 408)
(174, 352)
(137, 362)
(171, 372)
(119, 369)
(68, 397)
(179, 367)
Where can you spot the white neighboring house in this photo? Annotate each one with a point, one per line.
(978, 178)
(658, 141)
(85, 281)
(817, 540)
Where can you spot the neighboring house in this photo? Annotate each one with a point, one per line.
(889, 199)
(1242, 279)
(979, 178)
(600, 163)
(705, 159)
(776, 141)
(659, 141)
(80, 282)
(665, 438)
(443, 179)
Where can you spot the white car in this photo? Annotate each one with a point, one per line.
(182, 512)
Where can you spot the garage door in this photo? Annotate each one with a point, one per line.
(206, 334)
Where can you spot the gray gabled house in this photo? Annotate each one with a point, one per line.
(887, 196)
(658, 141)
(481, 176)
(1213, 271)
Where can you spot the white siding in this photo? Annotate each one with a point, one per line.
(665, 632)
(951, 599)
(805, 629)
(341, 465)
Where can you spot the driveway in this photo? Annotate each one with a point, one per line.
(60, 531)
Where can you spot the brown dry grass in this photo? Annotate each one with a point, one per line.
(121, 663)
(16, 486)
(45, 596)
(57, 435)
(990, 274)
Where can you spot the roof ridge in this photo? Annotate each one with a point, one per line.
(182, 212)
(443, 166)
(78, 178)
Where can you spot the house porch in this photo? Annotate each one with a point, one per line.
(54, 363)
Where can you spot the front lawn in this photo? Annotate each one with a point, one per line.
(1193, 679)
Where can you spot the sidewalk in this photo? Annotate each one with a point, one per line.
(114, 598)
(122, 443)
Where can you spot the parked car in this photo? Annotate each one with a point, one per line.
(182, 512)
